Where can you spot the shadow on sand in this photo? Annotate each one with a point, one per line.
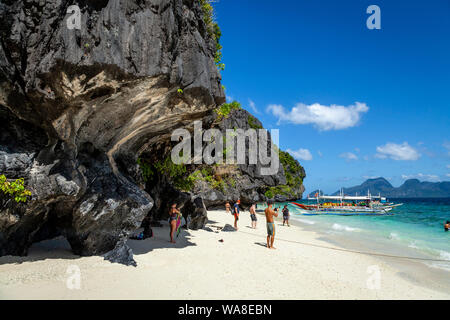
(59, 248)
(262, 244)
(161, 240)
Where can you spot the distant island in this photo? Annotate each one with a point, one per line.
(412, 188)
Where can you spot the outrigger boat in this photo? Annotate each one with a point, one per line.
(344, 205)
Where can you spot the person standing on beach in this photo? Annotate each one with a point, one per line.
(236, 211)
(270, 225)
(286, 215)
(447, 226)
(227, 207)
(253, 216)
(173, 217)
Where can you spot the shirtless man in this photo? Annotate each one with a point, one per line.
(227, 207)
(447, 226)
(270, 225)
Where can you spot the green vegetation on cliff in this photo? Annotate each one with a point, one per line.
(291, 169)
(282, 190)
(224, 110)
(14, 190)
(216, 181)
(213, 30)
(174, 172)
(146, 169)
(253, 124)
(294, 177)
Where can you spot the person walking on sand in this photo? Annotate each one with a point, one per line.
(270, 225)
(173, 217)
(227, 207)
(253, 216)
(447, 226)
(286, 215)
(236, 211)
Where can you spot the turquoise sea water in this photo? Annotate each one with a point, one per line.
(414, 229)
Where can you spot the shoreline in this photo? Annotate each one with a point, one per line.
(201, 267)
(415, 271)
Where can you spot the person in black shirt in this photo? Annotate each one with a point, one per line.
(286, 215)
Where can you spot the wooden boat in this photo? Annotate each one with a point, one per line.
(344, 205)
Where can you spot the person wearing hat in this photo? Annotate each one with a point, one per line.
(236, 211)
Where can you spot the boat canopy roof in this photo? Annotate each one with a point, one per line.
(343, 198)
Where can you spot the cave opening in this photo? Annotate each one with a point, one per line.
(56, 247)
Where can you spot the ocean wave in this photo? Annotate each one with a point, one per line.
(413, 245)
(394, 236)
(341, 227)
(444, 255)
(306, 221)
(440, 265)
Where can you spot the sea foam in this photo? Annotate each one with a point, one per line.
(394, 236)
(413, 245)
(341, 227)
(444, 255)
(306, 221)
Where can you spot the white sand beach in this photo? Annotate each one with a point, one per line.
(199, 266)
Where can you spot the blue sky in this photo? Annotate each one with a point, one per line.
(352, 102)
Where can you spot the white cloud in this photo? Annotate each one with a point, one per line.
(301, 154)
(446, 145)
(229, 99)
(422, 177)
(324, 118)
(343, 179)
(376, 177)
(448, 175)
(319, 153)
(252, 106)
(397, 152)
(348, 156)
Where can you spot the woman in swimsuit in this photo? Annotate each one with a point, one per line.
(253, 216)
(173, 214)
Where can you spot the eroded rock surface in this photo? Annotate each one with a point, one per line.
(79, 106)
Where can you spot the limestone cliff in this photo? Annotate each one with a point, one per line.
(218, 183)
(81, 107)
(78, 106)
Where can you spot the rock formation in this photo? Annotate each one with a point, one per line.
(79, 107)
